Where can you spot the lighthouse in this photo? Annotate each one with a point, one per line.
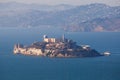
(63, 38)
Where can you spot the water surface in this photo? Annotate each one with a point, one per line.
(19, 67)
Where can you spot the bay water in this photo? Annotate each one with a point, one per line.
(20, 67)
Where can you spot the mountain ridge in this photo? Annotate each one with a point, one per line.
(81, 18)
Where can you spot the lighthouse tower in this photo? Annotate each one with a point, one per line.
(63, 38)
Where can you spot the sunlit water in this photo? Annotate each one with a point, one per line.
(20, 67)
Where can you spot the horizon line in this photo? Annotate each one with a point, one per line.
(61, 4)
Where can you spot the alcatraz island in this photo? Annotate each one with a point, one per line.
(53, 47)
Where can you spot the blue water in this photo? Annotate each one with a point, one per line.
(19, 67)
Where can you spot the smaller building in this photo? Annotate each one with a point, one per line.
(50, 40)
(85, 47)
(46, 39)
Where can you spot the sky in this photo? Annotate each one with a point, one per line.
(73, 2)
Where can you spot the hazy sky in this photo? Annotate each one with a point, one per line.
(74, 2)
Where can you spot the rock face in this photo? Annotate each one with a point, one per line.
(56, 48)
(27, 51)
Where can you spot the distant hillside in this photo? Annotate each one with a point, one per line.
(96, 25)
(93, 17)
(21, 6)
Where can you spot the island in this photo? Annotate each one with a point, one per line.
(56, 47)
